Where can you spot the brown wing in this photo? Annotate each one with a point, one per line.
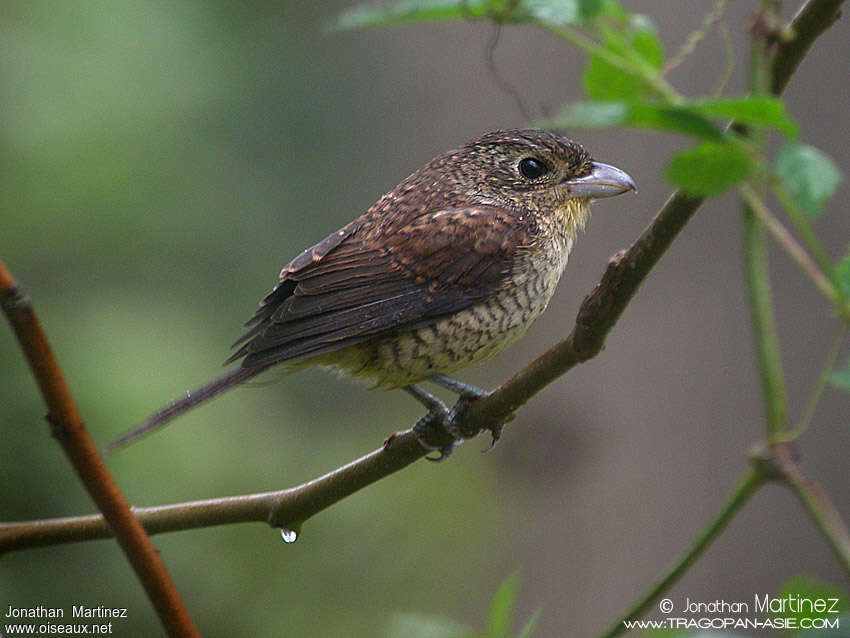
(379, 275)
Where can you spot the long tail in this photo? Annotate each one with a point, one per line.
(192, 399)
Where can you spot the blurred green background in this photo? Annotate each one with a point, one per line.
(162, 161)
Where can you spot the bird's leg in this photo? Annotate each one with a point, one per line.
(467, 393)
(439, 416)
(465, 390)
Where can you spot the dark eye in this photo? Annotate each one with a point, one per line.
(531, 168)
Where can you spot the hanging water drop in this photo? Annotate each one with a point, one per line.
(288, 535)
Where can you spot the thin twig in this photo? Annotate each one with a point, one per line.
(794, 250)
(764, 325)
(815, 502)
(759, 292)
(695, 37)
(729, 55)
(285, 509)
(820, 385)
(503, 85)
(803, 227)
(67, 428)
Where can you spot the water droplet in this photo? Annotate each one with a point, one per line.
(288, 535)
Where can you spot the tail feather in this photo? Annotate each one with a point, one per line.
(177, 407)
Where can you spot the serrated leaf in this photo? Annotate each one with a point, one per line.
(810, 175)
(502, 608)
(410, 12)
(639, 115)
(752, 109)
(709, 169)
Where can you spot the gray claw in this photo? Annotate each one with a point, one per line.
(495, 434)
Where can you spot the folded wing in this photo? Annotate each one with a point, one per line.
(398, 275)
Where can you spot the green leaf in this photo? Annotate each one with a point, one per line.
(841, 378)
(410, 12)
(639, 115)
(709, 169)
(673, 119)
(502, 608)
(809, 174)
(613, 10)
(646, 42)
(557, 12)
(753, 109)
(590, 115)
(561, 11)
(604, 81)
(690, 118)
(638, 42)
(590, 9)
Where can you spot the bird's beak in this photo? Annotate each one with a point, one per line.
(602, 181)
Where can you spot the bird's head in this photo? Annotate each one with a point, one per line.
(535, 171)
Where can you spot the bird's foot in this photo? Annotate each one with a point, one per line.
(436, 430)
(467, 394)
(440, 429)
(456, 416)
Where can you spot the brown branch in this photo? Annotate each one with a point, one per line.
(286, 509)
(813, 18)
(67, 428)
(597, 316)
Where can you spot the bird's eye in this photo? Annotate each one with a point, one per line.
(532, 168)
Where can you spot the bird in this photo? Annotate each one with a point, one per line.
(447, 269)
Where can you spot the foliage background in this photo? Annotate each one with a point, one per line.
(162, 161)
